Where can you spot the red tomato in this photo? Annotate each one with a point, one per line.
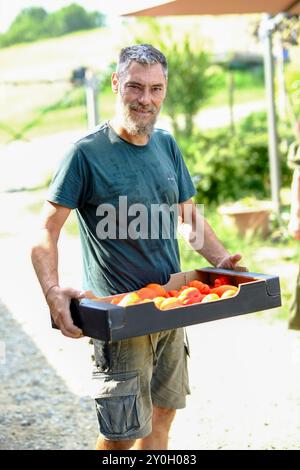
(221, 281)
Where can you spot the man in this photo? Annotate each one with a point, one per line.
(139, 382)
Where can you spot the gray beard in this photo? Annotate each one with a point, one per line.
(137, 128)
(134, 127)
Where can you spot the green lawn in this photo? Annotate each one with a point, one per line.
(57, 120)
(245, 95)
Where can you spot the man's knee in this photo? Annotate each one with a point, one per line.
(163, 417)
(107, 444)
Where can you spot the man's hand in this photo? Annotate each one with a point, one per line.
(59, 300)
(231, 262)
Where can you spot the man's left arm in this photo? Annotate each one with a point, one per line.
(199, 234)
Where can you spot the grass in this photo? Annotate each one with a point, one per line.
(53, 121)
(244, 95)
(59, 121)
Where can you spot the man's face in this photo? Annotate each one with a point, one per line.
(142, 91)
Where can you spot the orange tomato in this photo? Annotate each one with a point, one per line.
(221, 281)
(115, 300)
(202, 288)
(221, 289)
(172, 293)
(146, 293)
(228, 293)
(210, 298)
(160, 290)
(182, 288)
(189, 295)
(129, 299)
(158, 301)
(169, 303)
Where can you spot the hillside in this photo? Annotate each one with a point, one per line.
(50, 59)
(54, 58)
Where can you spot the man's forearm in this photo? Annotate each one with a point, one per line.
(198, 233)
(212, 250)
(45, 261)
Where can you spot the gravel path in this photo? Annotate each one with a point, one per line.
(37, 409)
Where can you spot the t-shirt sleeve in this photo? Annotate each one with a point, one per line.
(185, 184)
(68, 185)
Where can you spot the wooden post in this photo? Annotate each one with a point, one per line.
(91, 85)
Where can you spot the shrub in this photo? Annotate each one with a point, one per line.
(192, 82)
(228, 167)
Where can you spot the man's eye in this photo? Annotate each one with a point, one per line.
(157, 89)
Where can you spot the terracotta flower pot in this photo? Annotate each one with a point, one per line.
(253, 218)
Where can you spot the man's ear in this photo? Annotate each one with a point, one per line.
(115, 82)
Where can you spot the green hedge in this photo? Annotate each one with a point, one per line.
(227, 167)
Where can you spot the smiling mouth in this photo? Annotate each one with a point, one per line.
(142, 112)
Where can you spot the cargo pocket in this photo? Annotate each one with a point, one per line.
(117, 403)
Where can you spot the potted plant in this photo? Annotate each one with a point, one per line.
(248, 215)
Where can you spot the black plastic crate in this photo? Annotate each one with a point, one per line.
(109, 322)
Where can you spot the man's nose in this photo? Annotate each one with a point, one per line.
(145, 96)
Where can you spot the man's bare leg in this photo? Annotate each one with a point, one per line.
(105, 444)
(162, 419)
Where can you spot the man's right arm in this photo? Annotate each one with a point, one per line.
(44, 255)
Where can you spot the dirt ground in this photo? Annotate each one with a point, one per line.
(244, 372)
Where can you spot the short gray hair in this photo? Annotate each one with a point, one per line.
(143, 54)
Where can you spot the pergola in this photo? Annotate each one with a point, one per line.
(273, 12)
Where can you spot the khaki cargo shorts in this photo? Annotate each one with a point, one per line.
(132, 375)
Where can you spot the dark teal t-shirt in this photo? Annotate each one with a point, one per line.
(103, 177)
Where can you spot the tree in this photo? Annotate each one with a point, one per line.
(73, 18)
(34, 23)
(190, 85)
(27, 26)
(192, 78)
